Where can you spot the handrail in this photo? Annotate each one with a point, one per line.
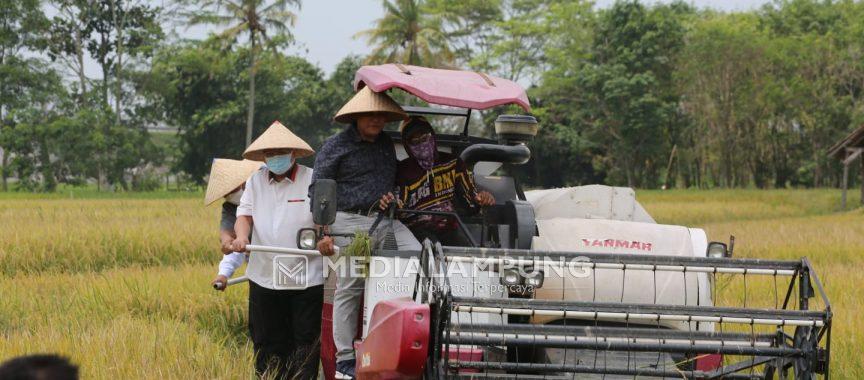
(264, 248)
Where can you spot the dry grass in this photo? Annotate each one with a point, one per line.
(786, 225)
(129, 323)
(121, 285)
(62, 235)
(835, 246)
(696, 208)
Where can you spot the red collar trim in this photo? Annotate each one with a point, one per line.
(292, 174)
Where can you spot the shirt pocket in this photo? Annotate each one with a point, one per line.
(296, 208)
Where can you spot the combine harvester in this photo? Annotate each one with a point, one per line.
(569, 283)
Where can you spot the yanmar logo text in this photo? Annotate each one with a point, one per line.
(618, 244)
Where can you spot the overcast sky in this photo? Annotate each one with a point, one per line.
(325, 28)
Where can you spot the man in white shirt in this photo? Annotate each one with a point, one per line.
(285, 325)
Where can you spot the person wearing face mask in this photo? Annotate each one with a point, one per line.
(226, 181)
(285, 325)
(430, 180)
(362, 161)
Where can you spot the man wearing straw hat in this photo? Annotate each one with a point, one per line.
(362, 161)
(226, 181)
(285, 325)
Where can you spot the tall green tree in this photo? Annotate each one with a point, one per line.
(266, 23)
(21, 26)
(195, 86)
(517, 48)
(507, 38)
(68, 37)
(620, 100)
(118, 30)
(39, 94)
(814, 47)
(469, 27)
(723, 74)
(408, 33)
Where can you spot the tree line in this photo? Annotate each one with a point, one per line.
(648, 96)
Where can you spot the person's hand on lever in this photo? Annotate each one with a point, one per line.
(225, 241)
(220, 283)
(485, 198)
(325, 246)
(386, 199)
(239, 244)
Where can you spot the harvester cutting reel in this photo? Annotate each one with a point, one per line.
(568, 329)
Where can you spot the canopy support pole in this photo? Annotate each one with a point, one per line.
(851, 155)
(468, 120)
(845, 185)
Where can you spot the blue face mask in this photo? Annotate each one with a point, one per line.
(280, 164)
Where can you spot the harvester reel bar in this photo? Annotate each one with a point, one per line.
(624, 266)
(645, 312)
(648, 262)
(611, 333)
(543, 338)
(480, 376)
(515, 370)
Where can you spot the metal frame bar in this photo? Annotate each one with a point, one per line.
(296, 251)
(658, 260)
(412, 110)
(543, 367)
(471, 376)
(607, 331)
(549, 340)
(728, 370)
(622, 266)
(599, 345)
(683, 313)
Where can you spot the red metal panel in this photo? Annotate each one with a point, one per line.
(709, 362)
(456, 88)
(328, 347)
(397, 343)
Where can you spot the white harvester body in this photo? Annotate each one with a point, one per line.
(603, 219)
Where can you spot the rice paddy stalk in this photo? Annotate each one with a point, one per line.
(361, 248)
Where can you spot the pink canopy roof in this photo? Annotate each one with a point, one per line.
(465, 89)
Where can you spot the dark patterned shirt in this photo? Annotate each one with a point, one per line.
(363, 171)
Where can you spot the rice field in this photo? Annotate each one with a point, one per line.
(120, 283)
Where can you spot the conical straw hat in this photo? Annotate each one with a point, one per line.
(366, 101)
(277, 137)
(226, 175)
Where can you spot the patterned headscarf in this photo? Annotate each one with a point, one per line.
(423, 152)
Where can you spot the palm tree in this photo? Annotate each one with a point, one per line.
(408, 34)
(262, 20)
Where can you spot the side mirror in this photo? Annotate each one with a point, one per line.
(324, 202)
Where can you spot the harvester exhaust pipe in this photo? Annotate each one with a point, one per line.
(514, 132)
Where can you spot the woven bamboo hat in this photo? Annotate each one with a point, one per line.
(226, 175)
(368, 101)
(277, 137)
